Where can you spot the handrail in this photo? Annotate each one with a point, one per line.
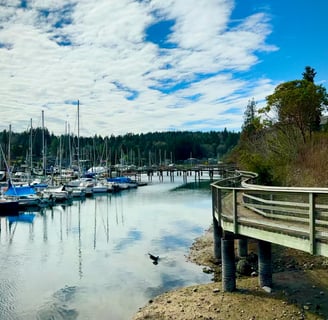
(289, 216)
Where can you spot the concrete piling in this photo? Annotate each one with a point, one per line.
(242, 247)
(228, 265)
(265, 264)
(217, 235)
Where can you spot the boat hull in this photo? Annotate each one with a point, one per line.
(9, 208)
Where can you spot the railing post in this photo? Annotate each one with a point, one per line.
(312, 248)
(234, 211)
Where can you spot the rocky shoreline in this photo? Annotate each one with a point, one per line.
(300, 290)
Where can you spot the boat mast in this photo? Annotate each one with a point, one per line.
(9, 149)
(43, 147)
(69, 145)
(31, 146)
(78, 136)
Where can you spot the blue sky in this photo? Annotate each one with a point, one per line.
(153, 65)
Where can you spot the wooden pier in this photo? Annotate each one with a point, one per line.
(292, 217)
(189, 174)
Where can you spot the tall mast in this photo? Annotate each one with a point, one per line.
(43, 147)
(60, 154)
(9, 149)
(78, 135)
(69, 146)
(31, 146)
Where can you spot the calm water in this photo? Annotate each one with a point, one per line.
(90, 260)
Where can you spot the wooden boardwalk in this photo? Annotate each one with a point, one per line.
(291, 217)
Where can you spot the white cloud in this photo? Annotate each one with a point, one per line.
(106, 60)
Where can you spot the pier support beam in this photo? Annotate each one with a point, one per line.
(265, 264)
(217, 235)
(228, 265)
(242, 247)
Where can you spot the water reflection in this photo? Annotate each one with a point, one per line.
(89, 260)
(58, 307)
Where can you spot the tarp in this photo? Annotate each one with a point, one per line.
(19, 190)
(120, 180)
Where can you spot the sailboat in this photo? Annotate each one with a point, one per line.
(8, 207)
(25, 195)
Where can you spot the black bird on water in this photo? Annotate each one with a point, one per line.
(154, 258)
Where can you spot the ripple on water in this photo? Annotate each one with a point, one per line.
(8, 291)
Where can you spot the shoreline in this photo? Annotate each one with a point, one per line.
(300, 290)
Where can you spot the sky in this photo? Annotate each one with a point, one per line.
(139, 66)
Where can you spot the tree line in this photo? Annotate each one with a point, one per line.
(32, 146)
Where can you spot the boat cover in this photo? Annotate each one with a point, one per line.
(19, 190)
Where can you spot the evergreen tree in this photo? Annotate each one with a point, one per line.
(309, 74)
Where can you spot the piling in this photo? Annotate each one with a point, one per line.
(211, 174)
(265, 264)
(217, 235)
(242, 247)
(228, 265)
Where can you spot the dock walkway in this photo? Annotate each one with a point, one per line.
(291, 217)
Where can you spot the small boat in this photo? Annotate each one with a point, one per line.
(99, 187)
(76, 192)
(123, 182)
(59, 194)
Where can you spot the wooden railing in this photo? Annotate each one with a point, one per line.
(292, 217)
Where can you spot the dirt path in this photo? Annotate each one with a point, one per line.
(300, 290)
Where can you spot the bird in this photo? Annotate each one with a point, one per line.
(154, 258)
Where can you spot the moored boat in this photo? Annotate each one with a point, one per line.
(25, 195)
(123, 182)
(58, 194)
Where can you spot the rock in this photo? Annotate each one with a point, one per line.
(267, 289)
(252, 258)
(207, 270)
(216, 290)
(243, 267)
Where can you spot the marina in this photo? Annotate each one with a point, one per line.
(89, 258)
